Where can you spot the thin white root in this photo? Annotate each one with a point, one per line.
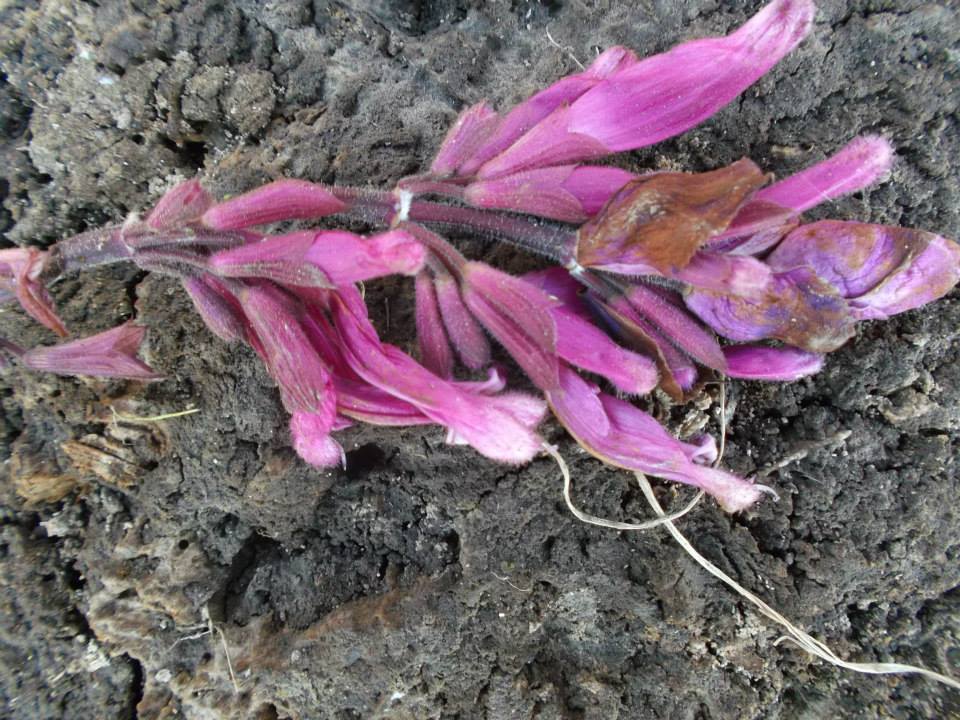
(794, 634)
(226, 652)
(602, 522)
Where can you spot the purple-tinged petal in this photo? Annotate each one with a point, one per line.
(216, 305)
(112, 353)
(277, 323)
(861, 163)
(797, 308)
(758, 362)
(361, 401)
(528, 113)
(312, 440)
(677, 373)
(20, 271)
(183, 203)
(570, 193)
(921, 278)
(274, 202)
(661, 96)
(581, 343)
(883, 270)
(633, 440)
(703, 450)
(471, 129)
(463, 330)
(518, 315)
(724, 273)
(480, 420)
(435, 352)
(667, 314)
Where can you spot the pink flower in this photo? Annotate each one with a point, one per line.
(20, 271)
(322, 258)
(621, 103)
(622, 435)
(112, 353)
(280, 200)
(500, 427)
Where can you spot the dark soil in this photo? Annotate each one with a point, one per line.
(425, 581)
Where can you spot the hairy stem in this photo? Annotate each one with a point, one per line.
(547, 239)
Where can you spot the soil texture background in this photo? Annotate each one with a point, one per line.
(425, 581)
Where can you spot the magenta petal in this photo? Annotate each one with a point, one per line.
(537, 192)
(568, 193)
(757, 362)
(633, 440)
(435, 352)
(518, 315)
(112, 353)
(219, 309)
(661, 96)
(557, 283)
(581, 343)
(463, 330)
(276, 320)
(182, 204)
(274, 202)
(348, 258)
(312, 441)
(677, 324)
(472, 128)
(480, 420)
(281, 258)
(524, 116)
(860, 164)
(361, 401)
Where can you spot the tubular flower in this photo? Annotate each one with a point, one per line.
(112, 353)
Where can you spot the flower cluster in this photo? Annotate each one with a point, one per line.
(663, 280)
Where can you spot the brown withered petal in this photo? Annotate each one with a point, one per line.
(660, 220)
(798, 308)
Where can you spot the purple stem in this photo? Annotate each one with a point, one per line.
(376, 206)
(86, 250)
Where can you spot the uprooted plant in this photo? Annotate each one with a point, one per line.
(662, 280)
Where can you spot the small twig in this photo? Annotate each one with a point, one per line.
(507, 581)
